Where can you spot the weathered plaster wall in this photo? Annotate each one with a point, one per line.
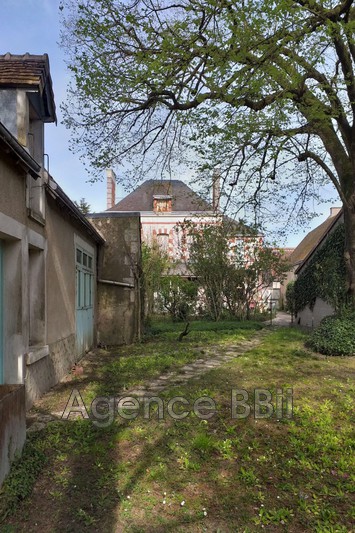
(119, 308)
(46, 372)
(13, 190)
(12, 426)
(311, 318)
(60, 275)
(8, 106)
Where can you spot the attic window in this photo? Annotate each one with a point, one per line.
(162, 204)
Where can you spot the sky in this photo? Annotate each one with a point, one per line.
(34, 26)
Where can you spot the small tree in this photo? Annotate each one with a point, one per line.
(154, 263)
(84, 207)
(266, 265)
(209, 262)
(232, 270)
(178, 296)
(290, 299)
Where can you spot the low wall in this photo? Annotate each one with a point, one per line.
(311, 317)
(12, 425)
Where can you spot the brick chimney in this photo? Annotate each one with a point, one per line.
(111, 188)
(216, 188)
(334, 211)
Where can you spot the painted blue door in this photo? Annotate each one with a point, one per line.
(84, 300)
(1, 316)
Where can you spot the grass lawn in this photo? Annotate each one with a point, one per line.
(217, 475)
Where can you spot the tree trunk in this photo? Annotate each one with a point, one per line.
(349, 252)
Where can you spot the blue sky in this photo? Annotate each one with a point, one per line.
(33, 26)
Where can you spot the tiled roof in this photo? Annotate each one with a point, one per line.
(287, 252)
(29, 71)
(183, 198)
(311, 240)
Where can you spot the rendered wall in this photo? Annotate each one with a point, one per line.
(311, 318)
(119, 308)
(12, 426)
(59, 351)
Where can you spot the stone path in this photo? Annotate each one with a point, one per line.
(214, 356)
(282, 319)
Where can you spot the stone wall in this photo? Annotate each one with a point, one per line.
(119, 291)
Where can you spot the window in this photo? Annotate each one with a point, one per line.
(162, 204)
(84, 279)
(163, 241)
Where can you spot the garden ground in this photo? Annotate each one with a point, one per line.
(218, 475)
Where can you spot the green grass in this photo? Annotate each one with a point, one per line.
(232, 474)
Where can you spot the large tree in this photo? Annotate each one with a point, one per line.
(265, 90)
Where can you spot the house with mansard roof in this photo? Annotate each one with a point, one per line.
(164, 205)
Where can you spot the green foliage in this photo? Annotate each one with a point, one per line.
(154, 263)
(179, 79)
(290, 298)
(23, 475)
(231, 271)
(84, 207)
(324, 276)
(335, 335)
(245, 86)
(178, 295)
(209, 261)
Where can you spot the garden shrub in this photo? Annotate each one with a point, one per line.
(335, 335)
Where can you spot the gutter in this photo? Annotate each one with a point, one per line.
(117, 283)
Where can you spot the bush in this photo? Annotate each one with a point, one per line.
(178, 296)
(335, 335)
(290, 298)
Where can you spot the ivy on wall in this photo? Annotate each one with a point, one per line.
(324, 275)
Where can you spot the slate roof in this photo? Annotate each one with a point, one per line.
(312, 240)
(183, 198)
(29, 71)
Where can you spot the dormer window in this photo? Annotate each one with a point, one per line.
(162, 204)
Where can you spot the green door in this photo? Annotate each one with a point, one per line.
(84, 300)
(1, 316)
